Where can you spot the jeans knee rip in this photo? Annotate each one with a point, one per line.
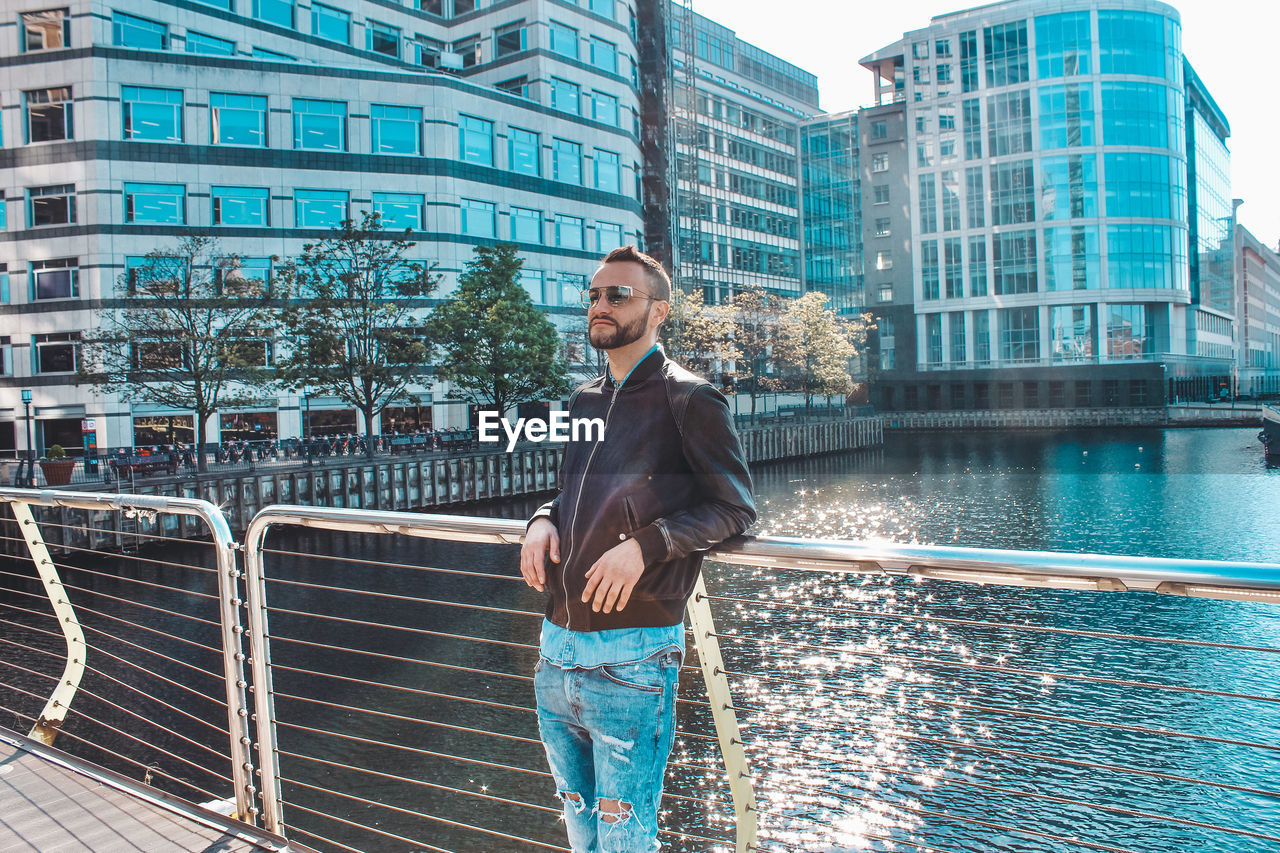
(572, 799)
(614, 812)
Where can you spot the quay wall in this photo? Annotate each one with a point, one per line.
(1164, 417)
(394, 483)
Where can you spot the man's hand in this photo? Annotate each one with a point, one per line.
(541, 537)
(613, 576)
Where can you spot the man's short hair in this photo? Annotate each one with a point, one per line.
(659, 281)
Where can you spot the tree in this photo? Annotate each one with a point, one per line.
(817, 346)
(354, 322)
(495, 346)
(192, 333)
(698, 335)
(756, 316)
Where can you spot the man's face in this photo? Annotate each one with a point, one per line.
(610, 327)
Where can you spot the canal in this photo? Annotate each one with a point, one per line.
(876, 707)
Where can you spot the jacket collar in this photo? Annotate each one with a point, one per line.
(645, 368)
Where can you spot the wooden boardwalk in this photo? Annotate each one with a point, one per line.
(51, 802)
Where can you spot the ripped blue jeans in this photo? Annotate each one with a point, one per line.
(608, 731)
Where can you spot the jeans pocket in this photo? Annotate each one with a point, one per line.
(645, 676)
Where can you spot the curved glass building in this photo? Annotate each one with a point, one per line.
(1067, 203)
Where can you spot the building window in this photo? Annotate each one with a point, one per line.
(565, 96)
(468, 49)
(132, 31)
(1066, 116)
(885, 293)
(319, 125)
(884, 261)
(271, 55)
(981, 342)
(479, 218)
(526, 151)
(330, 23)
(570, 232)
(526, 225)
(238, 119)
(950, 202)
(509, 39)
(319, 208)
(956, 324)
(930, 272)
(56, 352)
(1019, 334)
(564, 40)
(395, 130)
(880, 129)
(943, 73)
(1149, 186)
(1069, 187)
(608, 171)
(603, 8)
(49, 114)
(977, 266)
(278, 12)
(884, 227)
(1064, 47)
(475, 140)
(971, 110)
(55, 279)
(240, 274)
(608, 237)
(159, 204)
(54, 205)
(244, 206)
(1141, 256)
(1137, 114)
(1130, 331)
(533, 284)
(975, 197)
(1071, 258)
(953, 268)
(153, 115)
(604, 55)
(604, 108)
(880, 162)
(1009, 123)
(933, 338)
(383, 38)
(209, 45)
(566, 161)
(1143, 43)
(1006, 53)
(47, 30)
(969, 61)
(1013, 261)
(928, 203)
(398, 211)
(1012, 193)
(880, 194)
(1071, 333)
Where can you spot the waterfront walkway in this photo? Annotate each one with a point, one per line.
(55, 802)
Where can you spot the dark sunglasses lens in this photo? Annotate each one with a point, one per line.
(617, 295)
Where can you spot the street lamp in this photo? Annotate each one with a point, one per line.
(31, 462)
(306, 422)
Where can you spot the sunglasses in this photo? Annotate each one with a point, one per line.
(616, 295)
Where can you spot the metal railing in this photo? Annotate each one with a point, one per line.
(152, 671)
(865, 695)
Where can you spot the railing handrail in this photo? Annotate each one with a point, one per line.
(983, 565)
(233, 656)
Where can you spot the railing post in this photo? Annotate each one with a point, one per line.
(55, 710)
(726, 721)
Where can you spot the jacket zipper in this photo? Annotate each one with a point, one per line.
(564, 582)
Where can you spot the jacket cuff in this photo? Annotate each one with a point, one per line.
(546, 511)
(653, 545)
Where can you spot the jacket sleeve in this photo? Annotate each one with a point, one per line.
(725, 507)
(549, 510)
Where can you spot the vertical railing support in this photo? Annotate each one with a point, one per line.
(55, 710)
(726, 721)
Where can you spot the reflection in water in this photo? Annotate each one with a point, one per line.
(878, 713)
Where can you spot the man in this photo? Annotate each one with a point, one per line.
(625, 535)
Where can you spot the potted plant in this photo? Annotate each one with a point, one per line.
(57, 467)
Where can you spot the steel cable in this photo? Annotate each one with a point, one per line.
(409, 598)
(402, 718)
(118, 533)
(364, 623)
(399, 658)
(359, 562)
(135, 558)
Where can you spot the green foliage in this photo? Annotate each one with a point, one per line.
(191, 333)
(57, 452)
(757, 315)
(815, 346)
(495, 345)
(355, 322)
(699, 336)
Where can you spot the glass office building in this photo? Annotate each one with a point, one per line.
(1053, 215)
(831, 189)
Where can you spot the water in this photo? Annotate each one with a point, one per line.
(876, 708)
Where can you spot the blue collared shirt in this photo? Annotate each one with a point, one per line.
(588, 649)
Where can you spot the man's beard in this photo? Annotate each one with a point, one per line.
(611, 337)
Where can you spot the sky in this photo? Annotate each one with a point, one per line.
(1230, 43)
